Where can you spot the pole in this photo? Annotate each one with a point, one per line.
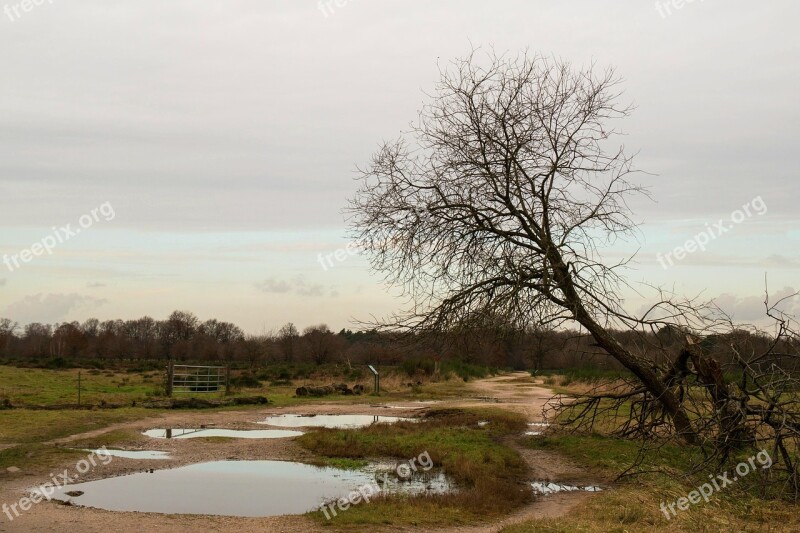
(79, 388)
(170, 376)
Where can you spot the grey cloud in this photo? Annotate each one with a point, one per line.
(752, 308)
(273, 287)
(49, 308)
(298, 286)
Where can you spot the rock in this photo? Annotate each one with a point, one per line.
(12, 470)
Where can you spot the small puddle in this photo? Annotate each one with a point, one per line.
(545, 487)
(240, 488)
(131, 454)
(419, 404)
(331, 421)
(537, 432)
(229, 433)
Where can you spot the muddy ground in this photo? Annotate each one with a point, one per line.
(514, 392)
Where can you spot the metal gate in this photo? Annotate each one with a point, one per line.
(189, 379)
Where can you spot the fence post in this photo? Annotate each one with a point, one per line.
(170, 377)
(227, 380)
(79, 388)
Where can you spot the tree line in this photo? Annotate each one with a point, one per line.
(183, 337)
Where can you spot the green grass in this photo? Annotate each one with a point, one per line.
(489, 472)
(34, 386)
(343, 463)
(29, 433)
(22, 426)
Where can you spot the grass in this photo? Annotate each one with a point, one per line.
(22, 426)
(634, 503)
(35, 386)
(28, 433)
(488, 471)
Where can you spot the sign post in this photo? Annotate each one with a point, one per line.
(377, 379)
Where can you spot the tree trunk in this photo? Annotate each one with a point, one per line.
(636, 365)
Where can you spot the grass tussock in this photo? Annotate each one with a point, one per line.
(490, 474)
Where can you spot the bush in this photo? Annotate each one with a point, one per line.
(246, 381)
(467, 371)
(419, 365)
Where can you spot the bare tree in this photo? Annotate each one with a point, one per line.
(288, 338)
(504, 201)
(499, 202)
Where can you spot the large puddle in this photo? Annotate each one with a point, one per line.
(228, 433)
(331, 421)
(131, 454)
(241, 488)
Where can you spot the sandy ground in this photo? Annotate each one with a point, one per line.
(514, 392)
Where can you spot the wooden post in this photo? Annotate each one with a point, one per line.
(79, 388)
(227, 380)
(170, 376)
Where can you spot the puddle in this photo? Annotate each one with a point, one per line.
(418, 404)
(543, 487)
(537, 432)
(331, 421)
(230, 433)
(130, 454)
(238, 488)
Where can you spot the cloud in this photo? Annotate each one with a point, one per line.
(48, 308)
(298, 286)
(95, 285)
(781, 261)
(273, 287)
(3, 282)
(752, 308)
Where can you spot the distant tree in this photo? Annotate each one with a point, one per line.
(8, 330)
(321, 343)
(288, 338)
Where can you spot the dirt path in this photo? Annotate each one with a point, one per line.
(515, 392)
(519, 392)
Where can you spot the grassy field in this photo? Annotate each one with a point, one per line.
(46, 387)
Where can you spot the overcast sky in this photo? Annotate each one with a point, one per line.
(222, 137)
